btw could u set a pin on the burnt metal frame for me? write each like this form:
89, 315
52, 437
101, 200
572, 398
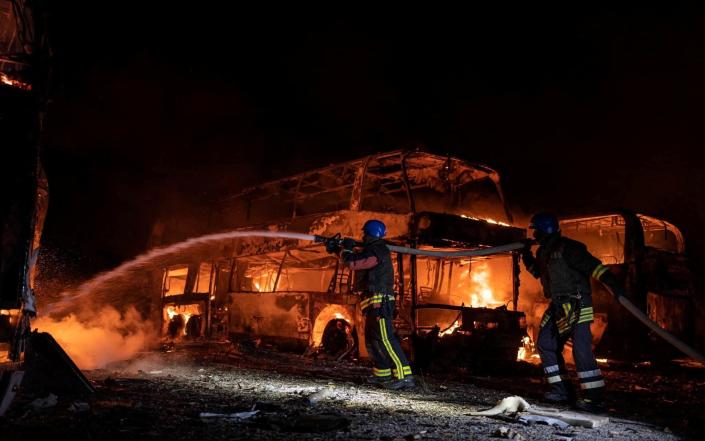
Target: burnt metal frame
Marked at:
415, 306
399, 181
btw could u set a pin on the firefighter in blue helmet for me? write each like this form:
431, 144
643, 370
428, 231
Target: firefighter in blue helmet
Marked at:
565, 267
374, 280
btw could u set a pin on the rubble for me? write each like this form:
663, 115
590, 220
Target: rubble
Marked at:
231, 387
532, 419
506, 432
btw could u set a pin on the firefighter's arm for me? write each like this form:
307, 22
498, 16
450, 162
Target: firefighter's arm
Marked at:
530, 261
362, 260
579, 257
605, 276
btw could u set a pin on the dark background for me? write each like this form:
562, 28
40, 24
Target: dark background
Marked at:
158, 107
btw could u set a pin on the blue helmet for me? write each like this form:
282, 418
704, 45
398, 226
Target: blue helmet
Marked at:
545, 223
374, 228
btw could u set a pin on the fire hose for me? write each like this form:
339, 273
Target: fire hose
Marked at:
626, 303
148, 257
670, 338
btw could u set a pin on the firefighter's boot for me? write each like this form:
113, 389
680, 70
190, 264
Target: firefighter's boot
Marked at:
591, 406
561, 392
379, 381
404, 383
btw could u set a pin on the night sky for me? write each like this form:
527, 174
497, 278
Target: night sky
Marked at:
155, 109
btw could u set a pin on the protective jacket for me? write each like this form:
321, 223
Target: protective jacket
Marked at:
375, 279
564, 267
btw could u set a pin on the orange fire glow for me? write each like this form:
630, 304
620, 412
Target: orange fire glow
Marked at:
105, 336
486, 219
329, 313
451, 329
477, 282
4, 79
264, 281
186, 311
527, 351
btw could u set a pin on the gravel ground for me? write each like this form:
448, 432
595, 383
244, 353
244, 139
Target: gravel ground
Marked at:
162, 395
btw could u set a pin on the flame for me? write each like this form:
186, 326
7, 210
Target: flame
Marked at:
451, 328
186, 312
328, 313
486, 219
527, 351
264, 280
481, 293
4, 79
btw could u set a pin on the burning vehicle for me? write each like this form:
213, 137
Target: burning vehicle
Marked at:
466, 311
295, 295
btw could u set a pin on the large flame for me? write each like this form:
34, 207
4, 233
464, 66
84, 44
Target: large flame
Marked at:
477, 283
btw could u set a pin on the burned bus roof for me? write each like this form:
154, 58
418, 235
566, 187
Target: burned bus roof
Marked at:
412, 158
399, 182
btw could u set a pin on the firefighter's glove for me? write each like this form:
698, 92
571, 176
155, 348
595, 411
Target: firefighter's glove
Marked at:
348, 244
526, 255
333, 245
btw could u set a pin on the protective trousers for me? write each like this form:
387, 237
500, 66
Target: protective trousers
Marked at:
382, 345
550, 344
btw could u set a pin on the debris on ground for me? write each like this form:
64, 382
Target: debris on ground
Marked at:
516, 404
322, 394
410, 437
506, 432
533, 419
507, 405
234, 417
281, 387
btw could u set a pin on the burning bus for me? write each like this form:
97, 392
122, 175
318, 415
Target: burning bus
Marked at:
295, 295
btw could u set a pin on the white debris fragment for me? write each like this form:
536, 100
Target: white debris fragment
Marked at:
507, 405
517, 404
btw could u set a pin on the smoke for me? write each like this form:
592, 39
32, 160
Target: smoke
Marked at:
100, 337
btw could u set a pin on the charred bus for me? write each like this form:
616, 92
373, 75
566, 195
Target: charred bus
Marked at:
292, 294
295, 295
